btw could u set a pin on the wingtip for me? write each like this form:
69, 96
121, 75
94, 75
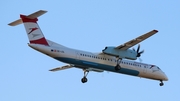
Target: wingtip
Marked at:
155, 30
43, 10
51, 70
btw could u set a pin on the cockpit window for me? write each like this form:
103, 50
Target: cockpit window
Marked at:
158, 68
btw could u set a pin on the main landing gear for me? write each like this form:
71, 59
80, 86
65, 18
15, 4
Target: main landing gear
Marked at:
161, 83
84, 79
118, 67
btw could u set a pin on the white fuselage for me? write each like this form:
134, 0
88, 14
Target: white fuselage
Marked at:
99, 62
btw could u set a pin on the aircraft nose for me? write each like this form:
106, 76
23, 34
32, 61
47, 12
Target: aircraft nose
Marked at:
165, 77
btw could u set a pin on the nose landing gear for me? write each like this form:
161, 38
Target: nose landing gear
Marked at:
161, 83
84, 79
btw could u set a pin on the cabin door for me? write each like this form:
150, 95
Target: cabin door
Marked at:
77, 55
145, 69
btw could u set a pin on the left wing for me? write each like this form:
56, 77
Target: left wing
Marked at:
135, 41
61, 68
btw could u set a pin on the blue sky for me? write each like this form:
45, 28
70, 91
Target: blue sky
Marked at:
89, 25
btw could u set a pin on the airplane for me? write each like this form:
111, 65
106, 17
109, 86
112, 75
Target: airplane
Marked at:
118, 59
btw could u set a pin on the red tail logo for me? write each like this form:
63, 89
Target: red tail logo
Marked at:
32, 29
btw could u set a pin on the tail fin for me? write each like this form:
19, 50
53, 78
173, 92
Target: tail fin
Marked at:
34, 32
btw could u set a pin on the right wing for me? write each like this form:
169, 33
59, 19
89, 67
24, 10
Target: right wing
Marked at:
61, 68
71, 66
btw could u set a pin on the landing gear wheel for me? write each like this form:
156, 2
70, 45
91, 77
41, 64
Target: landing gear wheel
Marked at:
117, 67
161, 84
84, 80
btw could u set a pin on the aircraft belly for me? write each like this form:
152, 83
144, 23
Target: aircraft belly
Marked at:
107, 67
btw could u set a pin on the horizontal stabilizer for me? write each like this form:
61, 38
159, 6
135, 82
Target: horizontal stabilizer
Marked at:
31, 16
17, 22
61, 68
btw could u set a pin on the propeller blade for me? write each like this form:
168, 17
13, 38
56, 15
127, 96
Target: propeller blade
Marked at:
141, 52
138, 48
137, 51
140, 59
133, 49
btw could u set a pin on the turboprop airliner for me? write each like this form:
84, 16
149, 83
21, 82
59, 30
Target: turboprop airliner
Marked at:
118, 59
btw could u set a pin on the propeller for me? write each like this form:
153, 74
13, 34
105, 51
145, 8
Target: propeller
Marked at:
138, 53
140, 60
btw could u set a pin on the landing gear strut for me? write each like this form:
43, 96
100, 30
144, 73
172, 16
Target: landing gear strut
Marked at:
161, 83
118, 67
84, 79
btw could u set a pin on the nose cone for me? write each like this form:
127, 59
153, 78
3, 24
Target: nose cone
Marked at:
165, 77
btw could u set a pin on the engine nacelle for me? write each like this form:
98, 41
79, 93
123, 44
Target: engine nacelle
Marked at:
128, 54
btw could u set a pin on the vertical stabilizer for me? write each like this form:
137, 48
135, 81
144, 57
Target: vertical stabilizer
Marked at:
32, 28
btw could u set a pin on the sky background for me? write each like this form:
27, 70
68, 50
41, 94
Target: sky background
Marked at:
89, 25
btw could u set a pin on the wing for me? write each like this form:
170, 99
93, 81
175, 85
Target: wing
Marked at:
61, 68
135, 41
71, 66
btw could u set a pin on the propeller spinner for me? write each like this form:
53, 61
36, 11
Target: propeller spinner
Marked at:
138, 53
